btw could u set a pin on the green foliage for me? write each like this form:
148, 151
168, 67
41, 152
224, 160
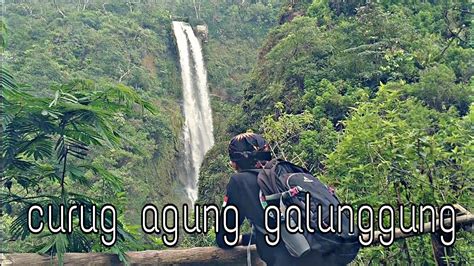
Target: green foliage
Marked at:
328, 101
376, 100
119, 46
45, 143
437, 88
377, 44
81, 119
214, 175
94, 43
236, 32
398, 151
283, 132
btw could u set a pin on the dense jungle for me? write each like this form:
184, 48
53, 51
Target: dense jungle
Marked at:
374, 98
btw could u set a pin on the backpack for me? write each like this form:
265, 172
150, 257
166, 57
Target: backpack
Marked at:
281, 184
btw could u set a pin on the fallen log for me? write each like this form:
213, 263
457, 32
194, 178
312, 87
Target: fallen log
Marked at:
191, 256
460, 220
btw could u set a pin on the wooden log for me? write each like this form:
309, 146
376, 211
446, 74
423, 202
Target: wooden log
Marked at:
69, 259
198, 255
460, 220
192, 256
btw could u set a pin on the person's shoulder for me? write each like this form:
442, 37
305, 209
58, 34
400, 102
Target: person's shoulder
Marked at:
245, 173
243, 177
236, 178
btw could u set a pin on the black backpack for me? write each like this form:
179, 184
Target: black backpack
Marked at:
282, 183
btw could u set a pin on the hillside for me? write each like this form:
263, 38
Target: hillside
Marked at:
109, 44
375, 99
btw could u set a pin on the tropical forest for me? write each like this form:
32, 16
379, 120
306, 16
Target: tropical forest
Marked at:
132, 103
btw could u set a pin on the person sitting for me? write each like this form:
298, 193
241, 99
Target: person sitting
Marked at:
248, 152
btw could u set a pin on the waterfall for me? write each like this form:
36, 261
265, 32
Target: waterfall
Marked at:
198, 128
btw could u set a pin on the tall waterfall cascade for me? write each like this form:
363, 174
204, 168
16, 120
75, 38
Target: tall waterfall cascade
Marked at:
198, 128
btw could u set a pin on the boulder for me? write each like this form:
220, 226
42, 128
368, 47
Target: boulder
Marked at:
202, 32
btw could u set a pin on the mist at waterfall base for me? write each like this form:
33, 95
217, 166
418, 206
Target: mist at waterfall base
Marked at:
198, 129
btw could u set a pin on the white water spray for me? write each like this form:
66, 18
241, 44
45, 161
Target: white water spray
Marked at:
198, 128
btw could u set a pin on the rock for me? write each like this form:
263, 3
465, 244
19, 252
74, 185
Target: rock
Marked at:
202, 32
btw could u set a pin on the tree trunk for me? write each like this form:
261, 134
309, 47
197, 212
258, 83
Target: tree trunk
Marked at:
440, 252
196, 256
192, 256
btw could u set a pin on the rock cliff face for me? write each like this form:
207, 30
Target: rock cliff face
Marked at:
202, 32
292, 10
289, 15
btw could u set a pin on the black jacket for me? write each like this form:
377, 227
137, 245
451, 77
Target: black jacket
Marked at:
243, 192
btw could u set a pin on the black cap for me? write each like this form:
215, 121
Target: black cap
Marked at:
247, 146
